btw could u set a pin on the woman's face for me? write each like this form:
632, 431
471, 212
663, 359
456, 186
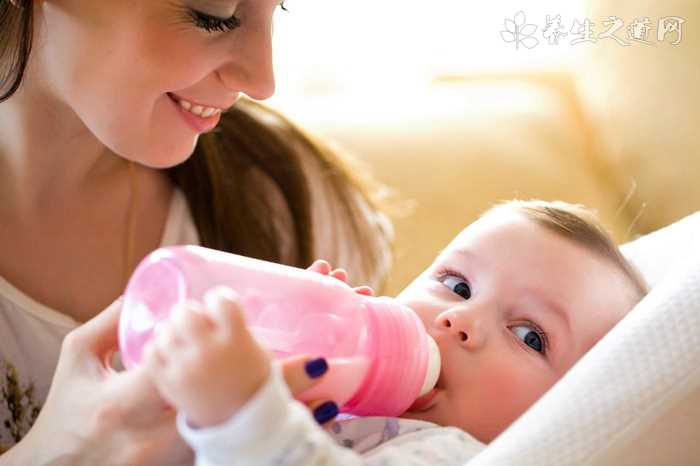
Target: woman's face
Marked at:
116, 63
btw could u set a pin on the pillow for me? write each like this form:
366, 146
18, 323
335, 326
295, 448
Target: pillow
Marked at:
634, 398
644, 104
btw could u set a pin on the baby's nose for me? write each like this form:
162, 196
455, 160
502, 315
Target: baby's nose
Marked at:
460, 333
462, 326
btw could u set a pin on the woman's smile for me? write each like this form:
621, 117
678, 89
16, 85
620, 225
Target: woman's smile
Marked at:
201, 119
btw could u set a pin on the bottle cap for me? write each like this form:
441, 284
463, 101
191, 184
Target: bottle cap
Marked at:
433, 372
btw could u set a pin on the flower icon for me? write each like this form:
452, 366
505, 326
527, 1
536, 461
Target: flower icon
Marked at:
519, 32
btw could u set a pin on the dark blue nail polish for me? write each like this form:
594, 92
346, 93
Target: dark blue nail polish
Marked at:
326, 412
316, 367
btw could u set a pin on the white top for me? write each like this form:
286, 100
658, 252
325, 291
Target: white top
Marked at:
31, 334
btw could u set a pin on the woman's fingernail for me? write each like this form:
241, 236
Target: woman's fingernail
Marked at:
316, 367
326, 412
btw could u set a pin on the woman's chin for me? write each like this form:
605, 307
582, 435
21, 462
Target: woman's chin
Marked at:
171, 155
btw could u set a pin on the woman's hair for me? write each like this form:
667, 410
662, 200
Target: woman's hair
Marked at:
580, 225
16, 31
228, 179
230, 204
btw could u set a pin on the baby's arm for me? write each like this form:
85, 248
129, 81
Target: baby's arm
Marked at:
232, 407
271, 429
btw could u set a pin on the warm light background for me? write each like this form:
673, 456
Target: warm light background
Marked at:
453, 118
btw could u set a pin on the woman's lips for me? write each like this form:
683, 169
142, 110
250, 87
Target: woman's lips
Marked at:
197, 123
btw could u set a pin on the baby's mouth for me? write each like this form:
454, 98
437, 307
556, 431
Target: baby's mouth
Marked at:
427, 401
440, 384
424, 402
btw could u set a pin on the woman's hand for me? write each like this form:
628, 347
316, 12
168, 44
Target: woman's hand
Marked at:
94, 415
302, 372
324, 410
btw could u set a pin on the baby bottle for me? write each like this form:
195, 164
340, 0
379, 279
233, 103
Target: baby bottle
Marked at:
379, 354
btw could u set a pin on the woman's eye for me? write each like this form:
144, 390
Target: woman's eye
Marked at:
213, 23
531, 337
458, 285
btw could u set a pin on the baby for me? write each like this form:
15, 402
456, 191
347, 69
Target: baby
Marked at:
512, 302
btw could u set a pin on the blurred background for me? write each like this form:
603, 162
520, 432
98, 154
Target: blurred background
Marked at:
456, 105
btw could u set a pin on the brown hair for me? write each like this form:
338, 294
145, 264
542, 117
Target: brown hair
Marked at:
219, 181
234, 212
16, 31
581, 225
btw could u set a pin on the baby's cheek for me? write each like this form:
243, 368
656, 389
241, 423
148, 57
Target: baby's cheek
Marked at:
499, 394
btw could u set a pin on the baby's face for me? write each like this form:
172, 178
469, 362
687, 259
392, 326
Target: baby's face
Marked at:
512, 306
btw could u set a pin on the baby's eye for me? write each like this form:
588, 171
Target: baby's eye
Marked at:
531, 337
457, 284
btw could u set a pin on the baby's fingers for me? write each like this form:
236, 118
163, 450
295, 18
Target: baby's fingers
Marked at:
223, 307
324, 268
364, 290
190, 321
340, 274
320, 266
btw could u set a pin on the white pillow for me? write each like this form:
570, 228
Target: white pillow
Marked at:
634, 398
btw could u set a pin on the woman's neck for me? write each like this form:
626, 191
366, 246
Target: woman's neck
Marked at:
47, 155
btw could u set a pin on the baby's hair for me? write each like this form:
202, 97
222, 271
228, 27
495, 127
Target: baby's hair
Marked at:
581, 225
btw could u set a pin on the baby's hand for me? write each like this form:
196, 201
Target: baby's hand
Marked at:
324, 268
204, 360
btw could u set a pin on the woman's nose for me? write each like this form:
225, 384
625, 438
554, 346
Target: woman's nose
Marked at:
250, 69
463, 326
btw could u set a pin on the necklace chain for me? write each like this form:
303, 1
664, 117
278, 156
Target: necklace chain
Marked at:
129, 240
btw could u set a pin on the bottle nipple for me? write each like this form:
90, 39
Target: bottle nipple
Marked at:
433, 372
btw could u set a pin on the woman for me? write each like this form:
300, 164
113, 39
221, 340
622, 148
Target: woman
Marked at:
103, 107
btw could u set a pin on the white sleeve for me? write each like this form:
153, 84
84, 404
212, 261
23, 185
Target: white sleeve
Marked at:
271, 429
274, 429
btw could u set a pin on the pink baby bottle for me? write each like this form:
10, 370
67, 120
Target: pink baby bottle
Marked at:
380, 357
